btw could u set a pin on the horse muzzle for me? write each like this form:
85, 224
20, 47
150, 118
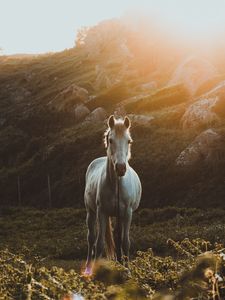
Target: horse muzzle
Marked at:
120, 169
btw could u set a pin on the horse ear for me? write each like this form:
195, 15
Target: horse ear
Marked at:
127, 122
111, 121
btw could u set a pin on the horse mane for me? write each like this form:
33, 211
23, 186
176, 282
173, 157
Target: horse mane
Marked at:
106, 137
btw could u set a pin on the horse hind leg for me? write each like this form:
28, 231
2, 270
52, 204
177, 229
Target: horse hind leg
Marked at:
102, 219
110, 244
90, 220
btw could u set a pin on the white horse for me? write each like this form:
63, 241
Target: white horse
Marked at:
112, 188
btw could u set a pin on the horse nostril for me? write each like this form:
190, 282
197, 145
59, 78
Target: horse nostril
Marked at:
121, 169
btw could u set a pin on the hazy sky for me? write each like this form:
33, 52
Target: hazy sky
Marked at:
37, 26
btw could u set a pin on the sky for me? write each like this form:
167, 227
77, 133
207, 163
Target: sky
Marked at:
39, 26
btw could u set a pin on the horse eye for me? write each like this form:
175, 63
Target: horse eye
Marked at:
110, 141
129, 141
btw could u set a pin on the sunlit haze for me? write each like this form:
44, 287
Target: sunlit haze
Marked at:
31, 26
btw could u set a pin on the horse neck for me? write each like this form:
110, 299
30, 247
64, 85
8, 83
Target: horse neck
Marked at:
110, 173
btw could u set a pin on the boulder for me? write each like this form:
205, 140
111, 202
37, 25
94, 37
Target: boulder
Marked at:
200, 149
77, 92
140, 119
97, 115
199, 113
69, 97
207, 109
192, 73
81, 111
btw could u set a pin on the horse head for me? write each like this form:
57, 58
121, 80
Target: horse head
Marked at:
118, 142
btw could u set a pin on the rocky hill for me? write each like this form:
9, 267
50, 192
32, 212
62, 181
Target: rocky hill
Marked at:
53, 110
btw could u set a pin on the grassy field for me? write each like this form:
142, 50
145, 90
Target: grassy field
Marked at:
44, 251
60, 234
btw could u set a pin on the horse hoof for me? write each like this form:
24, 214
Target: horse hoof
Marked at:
87, 271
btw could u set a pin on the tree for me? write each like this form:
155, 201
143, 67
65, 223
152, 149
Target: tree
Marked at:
81, 36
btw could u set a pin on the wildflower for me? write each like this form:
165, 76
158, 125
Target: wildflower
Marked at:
222, 255
208, 273
218, 277
77, 297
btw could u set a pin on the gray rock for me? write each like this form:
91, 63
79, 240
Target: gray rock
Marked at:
69, 97
81, 111
141, 119
76, 91
199, 149
97, 115
202, 111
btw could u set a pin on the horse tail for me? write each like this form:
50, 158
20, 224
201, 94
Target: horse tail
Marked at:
110, 244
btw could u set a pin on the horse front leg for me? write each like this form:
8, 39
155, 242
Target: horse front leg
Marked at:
90, 220
117, 234
126, 234
101, 219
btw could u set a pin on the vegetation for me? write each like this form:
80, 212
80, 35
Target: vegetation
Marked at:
42, 255
59, 235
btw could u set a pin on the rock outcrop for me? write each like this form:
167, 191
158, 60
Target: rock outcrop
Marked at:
199, 113
76, 91
140, 119
97, 115
69, 97
200, 149
81, 111
207, 109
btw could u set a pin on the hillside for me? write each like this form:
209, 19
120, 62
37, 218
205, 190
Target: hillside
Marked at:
53, 109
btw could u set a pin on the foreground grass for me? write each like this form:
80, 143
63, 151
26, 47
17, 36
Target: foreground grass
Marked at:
193, 274
41, 254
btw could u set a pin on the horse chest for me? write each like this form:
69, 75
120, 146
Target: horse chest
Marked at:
109, 203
